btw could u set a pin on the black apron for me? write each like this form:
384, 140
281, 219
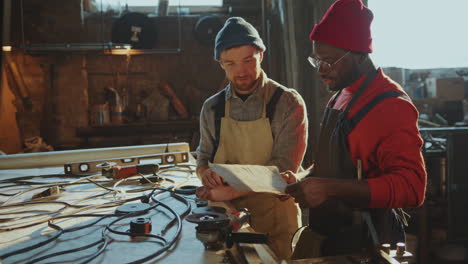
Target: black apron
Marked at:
349, 230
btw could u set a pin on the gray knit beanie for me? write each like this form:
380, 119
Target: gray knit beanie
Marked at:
236, 32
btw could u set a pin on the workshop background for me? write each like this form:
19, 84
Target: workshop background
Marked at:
78, 74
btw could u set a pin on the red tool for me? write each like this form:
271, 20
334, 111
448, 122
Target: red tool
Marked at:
175, 101
239, 218
118, 172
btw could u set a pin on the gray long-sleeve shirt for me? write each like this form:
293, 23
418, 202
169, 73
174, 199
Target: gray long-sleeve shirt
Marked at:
289, 123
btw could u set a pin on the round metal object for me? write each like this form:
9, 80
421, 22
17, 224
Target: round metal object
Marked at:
201, 203
400, 250
136, 29
186, 189
132, 208
386, 248
207, 28
207, 218
84, 167
209, 209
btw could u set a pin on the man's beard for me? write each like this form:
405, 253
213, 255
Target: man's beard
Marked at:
348, 80
245, 87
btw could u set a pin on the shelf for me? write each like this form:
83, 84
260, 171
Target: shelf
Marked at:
174, 126
105, 48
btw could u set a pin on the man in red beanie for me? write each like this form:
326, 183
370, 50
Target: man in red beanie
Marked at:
369, 160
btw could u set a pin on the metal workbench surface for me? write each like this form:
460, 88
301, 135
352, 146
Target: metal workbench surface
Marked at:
89, 197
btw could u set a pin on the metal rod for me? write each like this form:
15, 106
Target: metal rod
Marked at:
179, 21
22, 23
59, 158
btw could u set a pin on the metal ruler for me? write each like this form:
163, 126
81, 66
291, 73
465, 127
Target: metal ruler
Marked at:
93, 166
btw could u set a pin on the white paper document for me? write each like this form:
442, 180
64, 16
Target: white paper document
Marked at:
247, 178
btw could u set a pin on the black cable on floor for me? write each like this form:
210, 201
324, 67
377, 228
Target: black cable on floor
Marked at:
108, 227
103, 241
36, 260
101, 248
72, 230
40, 244
168, 245
61, 231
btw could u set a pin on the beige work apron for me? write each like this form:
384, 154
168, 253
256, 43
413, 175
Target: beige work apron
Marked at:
251, 142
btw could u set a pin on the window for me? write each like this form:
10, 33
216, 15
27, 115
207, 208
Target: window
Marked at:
173, 2
420, 34
151, 6
196, 2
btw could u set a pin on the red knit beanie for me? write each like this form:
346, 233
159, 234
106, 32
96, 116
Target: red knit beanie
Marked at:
346, 25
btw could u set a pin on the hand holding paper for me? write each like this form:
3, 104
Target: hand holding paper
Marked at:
246, 178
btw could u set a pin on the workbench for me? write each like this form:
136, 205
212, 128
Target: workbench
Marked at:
84, 214
52, 213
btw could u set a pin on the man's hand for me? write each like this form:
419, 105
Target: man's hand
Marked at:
203, 193
211, 179
310, 192
289, 177
220, 193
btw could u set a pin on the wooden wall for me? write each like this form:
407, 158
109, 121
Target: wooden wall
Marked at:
65, 85
68, 84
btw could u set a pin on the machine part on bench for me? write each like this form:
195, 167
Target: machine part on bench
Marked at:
140, 225
209, 209
186, 189
132, 208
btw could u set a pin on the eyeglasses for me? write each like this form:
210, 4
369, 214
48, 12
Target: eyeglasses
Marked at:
323, 65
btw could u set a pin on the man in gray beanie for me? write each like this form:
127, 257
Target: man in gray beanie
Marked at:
237, 32
256, 121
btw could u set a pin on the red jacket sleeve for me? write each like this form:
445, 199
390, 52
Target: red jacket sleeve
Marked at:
394, 166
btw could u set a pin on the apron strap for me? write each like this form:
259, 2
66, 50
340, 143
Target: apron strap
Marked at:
271, 106
328, 109
265, 96
219, 114
354, 120
369, 78
371, 228
227, 109
339, 131
222, 109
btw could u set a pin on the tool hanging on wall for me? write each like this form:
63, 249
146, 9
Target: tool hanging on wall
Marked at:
135, 29
206, 29
175, 101
17, 84
112, 96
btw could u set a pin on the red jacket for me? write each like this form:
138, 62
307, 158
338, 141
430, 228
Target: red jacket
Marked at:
388, 142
